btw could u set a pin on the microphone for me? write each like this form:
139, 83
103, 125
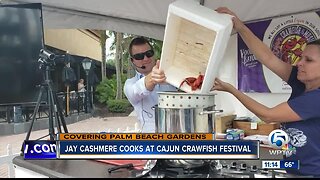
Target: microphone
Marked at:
141, 67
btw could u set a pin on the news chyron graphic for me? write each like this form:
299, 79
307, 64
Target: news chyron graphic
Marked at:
139, 146
40, 149
152, 146
279, 140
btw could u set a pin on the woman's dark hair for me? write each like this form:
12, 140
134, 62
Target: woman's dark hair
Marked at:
138, 41
315, 42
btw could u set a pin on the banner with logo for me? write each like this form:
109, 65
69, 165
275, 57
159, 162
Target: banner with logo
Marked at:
287, 38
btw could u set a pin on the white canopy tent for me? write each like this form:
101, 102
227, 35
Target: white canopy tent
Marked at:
148, 17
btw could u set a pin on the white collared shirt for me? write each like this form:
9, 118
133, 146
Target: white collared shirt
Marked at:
144, 100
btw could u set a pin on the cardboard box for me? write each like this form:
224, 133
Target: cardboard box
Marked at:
223, 122
261, 128
194, 43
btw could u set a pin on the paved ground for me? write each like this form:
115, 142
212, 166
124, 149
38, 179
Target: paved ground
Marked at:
105, 124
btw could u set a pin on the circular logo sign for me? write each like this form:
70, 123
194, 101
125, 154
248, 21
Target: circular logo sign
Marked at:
278, 138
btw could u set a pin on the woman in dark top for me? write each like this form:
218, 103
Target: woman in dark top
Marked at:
300, 115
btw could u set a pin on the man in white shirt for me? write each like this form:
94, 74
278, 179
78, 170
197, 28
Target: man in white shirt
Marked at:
141, 90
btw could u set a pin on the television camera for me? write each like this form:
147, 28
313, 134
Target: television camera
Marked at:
46, 58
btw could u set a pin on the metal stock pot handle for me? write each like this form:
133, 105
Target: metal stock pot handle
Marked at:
210, 112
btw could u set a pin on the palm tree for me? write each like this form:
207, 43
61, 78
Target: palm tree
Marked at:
118, 57
103, 38
127, 64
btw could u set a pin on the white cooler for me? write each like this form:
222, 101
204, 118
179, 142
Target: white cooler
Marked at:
194, 43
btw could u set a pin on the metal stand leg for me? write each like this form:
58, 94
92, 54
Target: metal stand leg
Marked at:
54, 111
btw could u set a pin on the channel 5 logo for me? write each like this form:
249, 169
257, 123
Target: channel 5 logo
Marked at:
278, 139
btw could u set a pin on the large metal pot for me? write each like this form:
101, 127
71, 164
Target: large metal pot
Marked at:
179, 112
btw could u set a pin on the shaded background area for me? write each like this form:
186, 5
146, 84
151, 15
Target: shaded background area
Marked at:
21, 38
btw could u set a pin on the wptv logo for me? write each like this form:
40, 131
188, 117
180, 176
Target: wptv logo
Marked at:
279, 140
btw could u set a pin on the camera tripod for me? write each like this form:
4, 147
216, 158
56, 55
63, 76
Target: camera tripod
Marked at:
55, 111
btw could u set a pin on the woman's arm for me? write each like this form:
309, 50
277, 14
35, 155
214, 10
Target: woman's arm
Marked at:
261, 51
279, 113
